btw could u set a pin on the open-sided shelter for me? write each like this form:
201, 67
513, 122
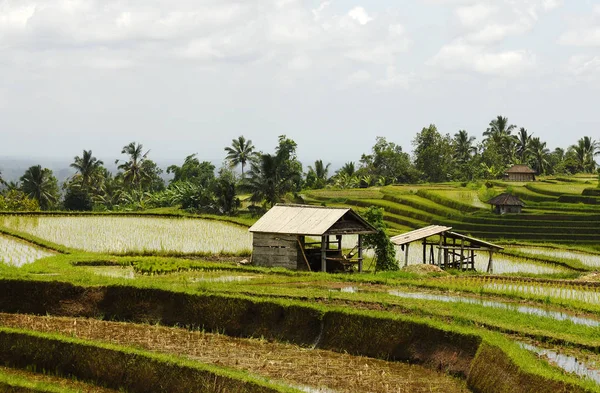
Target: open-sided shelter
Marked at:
307, 237
454, 250
506, 203
519, 172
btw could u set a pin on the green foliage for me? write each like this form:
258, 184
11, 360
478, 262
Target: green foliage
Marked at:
16, 200
433, 155
317, 176
193, 171
240, 152
273, 175
385, 253
388, 162
41, 185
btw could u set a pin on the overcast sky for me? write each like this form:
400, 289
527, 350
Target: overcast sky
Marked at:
187, 76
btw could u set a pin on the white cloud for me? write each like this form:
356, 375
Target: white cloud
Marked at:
581, 37
360, 15
475, 14
584, 65
461, 55
357, 78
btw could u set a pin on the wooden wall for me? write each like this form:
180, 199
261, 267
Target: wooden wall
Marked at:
275, 250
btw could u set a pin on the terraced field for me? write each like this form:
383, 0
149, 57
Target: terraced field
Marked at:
137, 304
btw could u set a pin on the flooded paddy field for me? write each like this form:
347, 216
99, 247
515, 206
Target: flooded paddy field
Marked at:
16, 252
120, 235
313, 370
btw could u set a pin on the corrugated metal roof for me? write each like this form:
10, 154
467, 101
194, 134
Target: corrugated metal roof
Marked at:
473, 240
303, 220
419, 234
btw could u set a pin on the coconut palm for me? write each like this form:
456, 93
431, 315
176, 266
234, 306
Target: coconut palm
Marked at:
585, 150
522, 139
318, 175
240, 152
87, 166
133, 169
463, 146
540, 155
39, 183
499, 130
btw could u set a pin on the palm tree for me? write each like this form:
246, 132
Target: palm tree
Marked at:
349, 169
499, 134
88, 166
585, 150
40, 184
523, 139
318, 174
540, 155
240, 152
133, 170
1, 179
463, 146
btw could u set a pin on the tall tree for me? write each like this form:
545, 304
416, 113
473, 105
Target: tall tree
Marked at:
499, 145
87, 166
133, 173
271, 176
585, 151
463, 146
318, 175
1, 179
194, 171
40, 184
540, 155
387, 161
433, 154
240, 152
523, 140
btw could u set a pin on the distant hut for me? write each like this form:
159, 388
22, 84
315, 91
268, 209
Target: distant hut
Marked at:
506, 203
520, 172
308, 237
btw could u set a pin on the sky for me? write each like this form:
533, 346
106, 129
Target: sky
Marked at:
188, 76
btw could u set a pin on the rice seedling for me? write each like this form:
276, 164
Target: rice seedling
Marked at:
17, 253
592, 260
123, 235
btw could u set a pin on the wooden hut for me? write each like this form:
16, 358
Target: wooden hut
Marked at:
454, 250
506, 203
308, 238
519, 172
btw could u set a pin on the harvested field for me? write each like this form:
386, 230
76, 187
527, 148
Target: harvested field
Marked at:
50, 382
296, 366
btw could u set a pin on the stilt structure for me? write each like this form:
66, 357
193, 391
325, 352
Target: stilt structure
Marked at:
458, 255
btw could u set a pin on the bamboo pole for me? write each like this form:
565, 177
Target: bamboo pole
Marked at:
303, 254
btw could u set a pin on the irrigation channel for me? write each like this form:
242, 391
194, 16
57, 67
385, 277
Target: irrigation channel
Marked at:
310, 370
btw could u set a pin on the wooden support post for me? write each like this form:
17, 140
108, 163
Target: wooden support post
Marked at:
445, 251
472, 259
340, 243
406, 254
490, 268
303, 254
462, 253
440, 251
424, 250
324, 240
360, 254
454, 253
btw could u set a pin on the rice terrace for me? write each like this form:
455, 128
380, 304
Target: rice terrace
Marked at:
181, 302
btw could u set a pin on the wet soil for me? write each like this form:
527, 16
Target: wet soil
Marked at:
294, 365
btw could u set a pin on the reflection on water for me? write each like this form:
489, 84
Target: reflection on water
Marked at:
559, 316
586, 296
566, 362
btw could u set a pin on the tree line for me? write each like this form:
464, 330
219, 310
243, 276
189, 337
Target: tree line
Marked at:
267, 177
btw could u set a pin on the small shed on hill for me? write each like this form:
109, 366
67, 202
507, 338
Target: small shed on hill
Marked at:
308, 237
519, 172
506, 203
454, 250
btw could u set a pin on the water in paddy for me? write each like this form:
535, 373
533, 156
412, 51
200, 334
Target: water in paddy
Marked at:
587, 296
566, 362
119, 234
560, 316
17, 253
113, 271
223, 279
592, 260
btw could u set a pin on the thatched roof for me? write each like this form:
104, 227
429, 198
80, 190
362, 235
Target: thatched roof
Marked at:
311, 220
520, 168
506, 199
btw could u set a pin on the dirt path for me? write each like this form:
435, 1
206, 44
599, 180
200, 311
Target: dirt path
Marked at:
295, 365
57, 382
